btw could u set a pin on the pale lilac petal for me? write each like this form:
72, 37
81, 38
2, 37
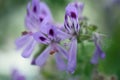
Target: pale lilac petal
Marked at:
63, 35
60, 62
29, 23
29, 49
95, 57
41, 59
41, 38
76, 26
17, 75
32, 23
42, 20
79, 6
72, 56
21, 77
62, 50
32, 20
51, 31
100, 52
71, 11
80, 9
20, 42
44, 28
97, 39
66, 24
44, 9
29, 20
102, 55
28, 9
97, 54
14, 74
36, 6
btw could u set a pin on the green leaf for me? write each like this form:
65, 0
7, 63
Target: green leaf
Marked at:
92, 27
84, 37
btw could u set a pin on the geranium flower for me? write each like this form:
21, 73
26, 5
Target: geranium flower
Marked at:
52, 38
98, 51
72, 27
37, 15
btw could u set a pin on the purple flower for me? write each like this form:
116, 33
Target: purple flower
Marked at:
17, 76
38, 14
72, 27
51, 38
98, 51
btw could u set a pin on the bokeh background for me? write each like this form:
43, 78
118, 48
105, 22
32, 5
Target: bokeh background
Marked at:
103, 13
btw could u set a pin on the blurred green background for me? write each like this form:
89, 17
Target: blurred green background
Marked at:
103, 13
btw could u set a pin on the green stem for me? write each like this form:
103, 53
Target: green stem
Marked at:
42, 47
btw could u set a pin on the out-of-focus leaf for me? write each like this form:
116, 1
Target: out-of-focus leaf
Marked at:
84, 37
92, 27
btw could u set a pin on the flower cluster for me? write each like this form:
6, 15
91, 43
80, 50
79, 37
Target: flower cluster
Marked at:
40, 29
